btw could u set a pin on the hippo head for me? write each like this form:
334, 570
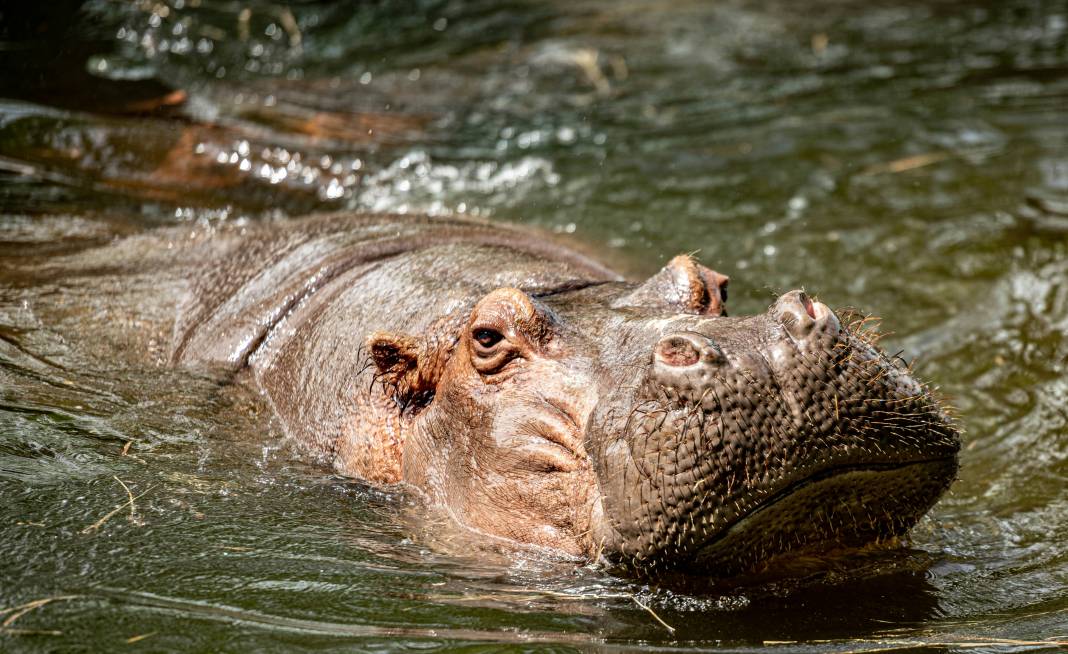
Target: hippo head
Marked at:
643, 426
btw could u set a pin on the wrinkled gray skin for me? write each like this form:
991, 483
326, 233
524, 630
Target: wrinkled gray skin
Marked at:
535, 396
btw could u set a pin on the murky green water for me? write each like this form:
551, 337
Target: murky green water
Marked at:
907, 158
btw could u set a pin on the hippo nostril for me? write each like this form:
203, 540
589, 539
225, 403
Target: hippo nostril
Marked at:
685, 350
805, 319
686, 361
677, 351
807, 303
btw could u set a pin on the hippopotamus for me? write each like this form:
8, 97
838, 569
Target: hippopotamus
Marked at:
538, 397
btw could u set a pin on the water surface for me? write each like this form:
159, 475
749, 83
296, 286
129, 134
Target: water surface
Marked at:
906, 158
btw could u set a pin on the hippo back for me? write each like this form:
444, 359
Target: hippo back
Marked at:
237, 302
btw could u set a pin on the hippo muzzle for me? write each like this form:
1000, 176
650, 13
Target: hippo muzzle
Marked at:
744, 438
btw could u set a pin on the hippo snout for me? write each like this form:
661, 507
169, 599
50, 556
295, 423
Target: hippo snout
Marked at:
756, 436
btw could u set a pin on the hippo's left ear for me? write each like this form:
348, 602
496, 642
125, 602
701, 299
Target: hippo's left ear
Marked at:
403, 366
682, 285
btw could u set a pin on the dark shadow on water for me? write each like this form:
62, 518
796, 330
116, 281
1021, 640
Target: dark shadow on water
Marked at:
806, 610
49, 47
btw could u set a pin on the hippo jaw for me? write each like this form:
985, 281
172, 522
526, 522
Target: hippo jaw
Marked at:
841, 507
751, 438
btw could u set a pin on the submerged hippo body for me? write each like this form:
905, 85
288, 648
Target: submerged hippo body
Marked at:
538, 397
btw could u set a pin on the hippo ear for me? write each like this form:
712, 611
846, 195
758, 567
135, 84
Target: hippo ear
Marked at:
402, 366
682, 285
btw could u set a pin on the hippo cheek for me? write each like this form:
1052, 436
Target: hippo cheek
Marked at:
534, 492
507, 458
549, 510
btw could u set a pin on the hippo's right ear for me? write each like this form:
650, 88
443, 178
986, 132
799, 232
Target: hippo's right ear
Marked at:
403, 367
682, 285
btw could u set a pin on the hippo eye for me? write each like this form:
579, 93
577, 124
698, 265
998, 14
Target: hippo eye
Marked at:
491, 352
487, 338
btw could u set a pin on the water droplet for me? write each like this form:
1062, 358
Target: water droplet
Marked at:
528, 139
334, 190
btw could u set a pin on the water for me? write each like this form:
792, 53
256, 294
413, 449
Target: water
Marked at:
906, 158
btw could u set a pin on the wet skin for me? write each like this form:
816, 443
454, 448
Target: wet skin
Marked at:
535, 396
